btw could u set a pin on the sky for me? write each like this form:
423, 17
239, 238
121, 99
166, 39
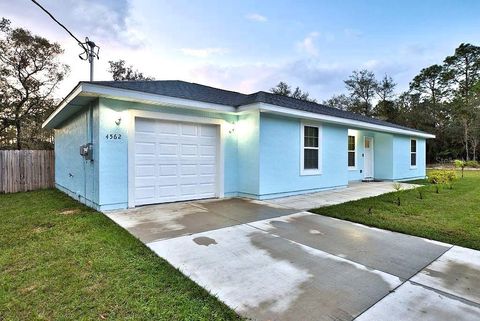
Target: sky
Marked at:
248, 46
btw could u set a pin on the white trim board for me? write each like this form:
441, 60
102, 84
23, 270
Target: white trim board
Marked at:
268, 108
318, 171
222, 132
97, 90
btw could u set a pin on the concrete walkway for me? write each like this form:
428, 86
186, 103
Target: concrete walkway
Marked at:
269, 262
354, 191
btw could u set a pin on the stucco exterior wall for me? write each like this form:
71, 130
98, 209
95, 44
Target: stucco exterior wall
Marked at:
280, 158
248, 140
401, 158
73, 174
261, 154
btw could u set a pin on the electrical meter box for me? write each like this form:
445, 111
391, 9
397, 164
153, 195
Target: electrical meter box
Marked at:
86, 151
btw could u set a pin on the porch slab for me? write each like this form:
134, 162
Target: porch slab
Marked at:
354, 191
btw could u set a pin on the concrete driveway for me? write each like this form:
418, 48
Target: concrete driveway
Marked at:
274, 263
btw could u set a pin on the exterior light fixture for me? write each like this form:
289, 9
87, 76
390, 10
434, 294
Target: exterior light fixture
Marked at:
118, 121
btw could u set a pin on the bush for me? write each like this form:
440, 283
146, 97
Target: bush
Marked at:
472, 163
459, 163
442, 177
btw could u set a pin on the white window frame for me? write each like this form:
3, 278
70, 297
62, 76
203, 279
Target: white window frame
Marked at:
416, 153
304, 171
352, 168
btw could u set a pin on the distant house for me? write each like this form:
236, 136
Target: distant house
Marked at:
146, 142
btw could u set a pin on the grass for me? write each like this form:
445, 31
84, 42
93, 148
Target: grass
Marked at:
452, 215
60, 260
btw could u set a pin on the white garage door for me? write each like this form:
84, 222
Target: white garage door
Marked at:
174, 161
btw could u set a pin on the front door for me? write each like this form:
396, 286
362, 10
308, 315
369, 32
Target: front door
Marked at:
368, 158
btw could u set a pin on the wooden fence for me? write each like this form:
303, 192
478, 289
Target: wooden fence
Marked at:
26, 170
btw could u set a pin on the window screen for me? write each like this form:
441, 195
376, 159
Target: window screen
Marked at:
310, 147
413, 152
351, 151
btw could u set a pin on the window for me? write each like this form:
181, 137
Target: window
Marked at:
310, 152
413, 152
351, 151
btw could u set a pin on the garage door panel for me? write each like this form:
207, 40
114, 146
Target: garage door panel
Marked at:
189, 150
189, 169
206, 169
168, 170
147, 170
145, 148
166, 149
174, 161
208, 131
143, 125
145, 194
166, 128
189, 130
167, 191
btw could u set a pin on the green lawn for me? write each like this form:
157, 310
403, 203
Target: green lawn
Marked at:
451, 216
60, 260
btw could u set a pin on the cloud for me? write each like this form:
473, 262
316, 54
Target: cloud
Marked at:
203, 52
256, 17
308, 44
105, 22
320, 80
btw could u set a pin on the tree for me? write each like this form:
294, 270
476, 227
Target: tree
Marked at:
462, 71
342, 102
430, 83
302, 95
121, 72
283, 89
362, 86
385, 108
385, 89
30, 72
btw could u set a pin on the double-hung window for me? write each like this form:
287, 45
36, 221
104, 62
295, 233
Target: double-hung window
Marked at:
413, 152
351, 151
310, 153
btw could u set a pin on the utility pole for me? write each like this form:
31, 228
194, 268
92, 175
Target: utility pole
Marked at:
90, 53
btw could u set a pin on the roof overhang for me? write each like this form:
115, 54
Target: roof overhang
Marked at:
354, 124
86, 92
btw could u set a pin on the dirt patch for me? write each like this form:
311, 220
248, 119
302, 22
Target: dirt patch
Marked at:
43, 227
70, 211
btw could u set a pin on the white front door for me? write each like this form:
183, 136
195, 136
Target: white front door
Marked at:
368, 158
174, 161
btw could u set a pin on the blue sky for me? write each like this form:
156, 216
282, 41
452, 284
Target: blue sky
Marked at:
251, 45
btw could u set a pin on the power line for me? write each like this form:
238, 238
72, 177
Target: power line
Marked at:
60, 24
90, 49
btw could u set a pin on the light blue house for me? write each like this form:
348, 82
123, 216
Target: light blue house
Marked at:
125, 144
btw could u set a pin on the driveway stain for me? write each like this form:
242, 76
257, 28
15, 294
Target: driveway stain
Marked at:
205, 241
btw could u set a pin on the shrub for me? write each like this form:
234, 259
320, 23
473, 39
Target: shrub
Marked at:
459, 163
472, 163
397, 187
442, 177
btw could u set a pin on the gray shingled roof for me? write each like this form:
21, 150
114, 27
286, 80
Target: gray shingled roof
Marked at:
192, 91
